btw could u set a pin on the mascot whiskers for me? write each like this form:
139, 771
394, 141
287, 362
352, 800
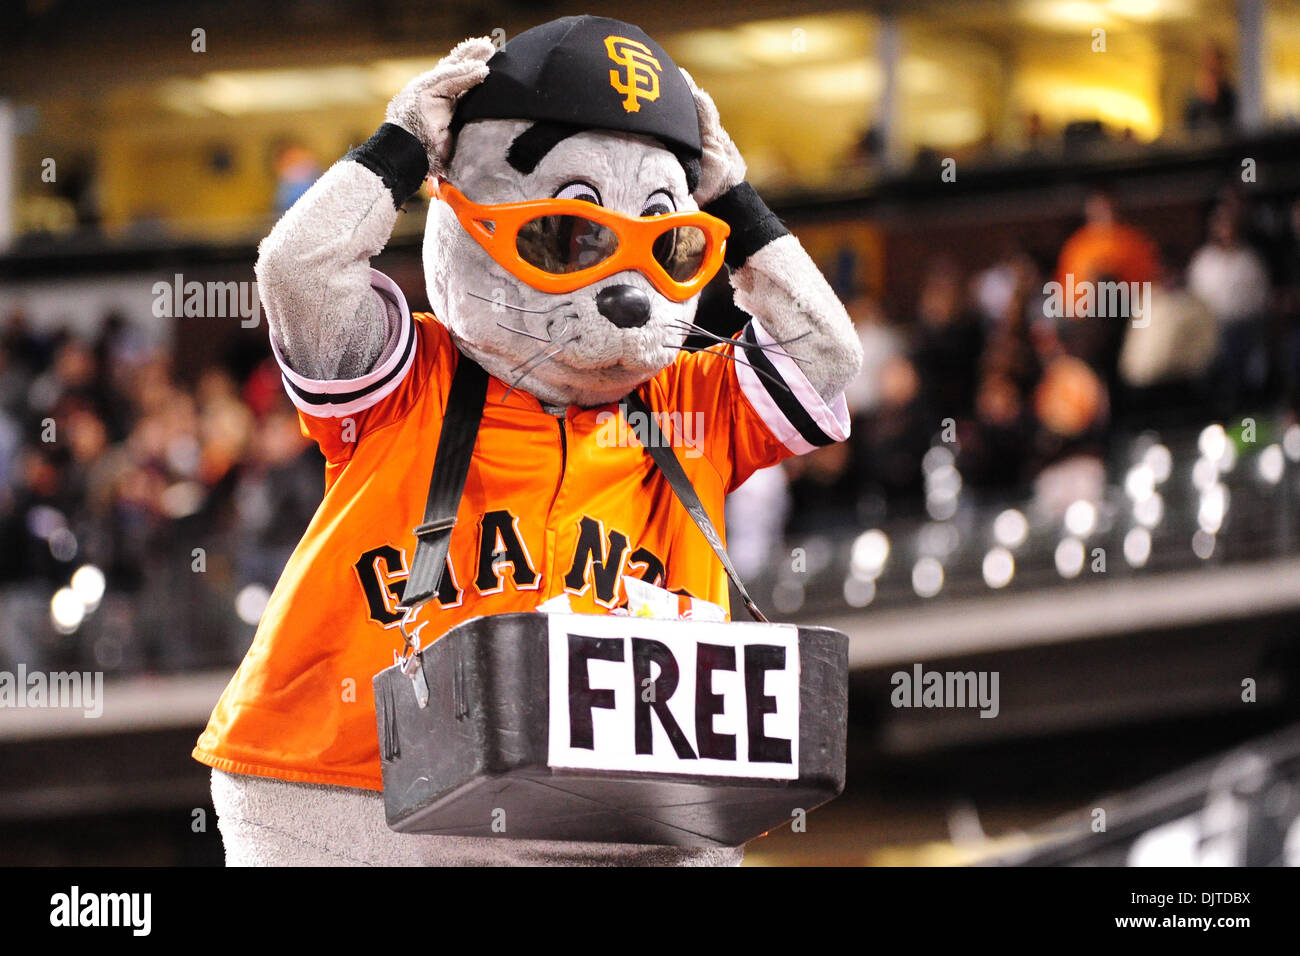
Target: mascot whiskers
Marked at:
584, 193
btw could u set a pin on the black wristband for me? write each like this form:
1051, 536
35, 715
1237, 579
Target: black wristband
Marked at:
396, 157
752, 224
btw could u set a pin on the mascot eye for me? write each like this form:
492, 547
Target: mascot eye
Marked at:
579, 190
660, 203
681, 251
560, 244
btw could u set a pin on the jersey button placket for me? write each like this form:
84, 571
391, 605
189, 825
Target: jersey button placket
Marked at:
554, 580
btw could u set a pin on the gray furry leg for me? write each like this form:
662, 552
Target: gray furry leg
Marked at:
266, 822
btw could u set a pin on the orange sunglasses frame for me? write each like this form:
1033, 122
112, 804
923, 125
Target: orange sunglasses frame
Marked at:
635, 250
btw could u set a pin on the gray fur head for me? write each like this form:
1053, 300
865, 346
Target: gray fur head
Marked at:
594, 361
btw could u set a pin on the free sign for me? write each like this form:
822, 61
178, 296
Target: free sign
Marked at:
717, 699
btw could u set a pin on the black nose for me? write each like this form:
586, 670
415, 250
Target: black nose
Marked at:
624, 305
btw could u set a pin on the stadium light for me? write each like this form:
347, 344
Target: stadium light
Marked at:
859, 592
1137, 547
63, 544
251, 601
927, 577
1011, 528
1271, 464
1149, 510
1291, 442
1140, 482
788, 596
88, 583
1069, 557
66, 611
1212, 442
1081, 518
1213, 508
869, 553
999, 568
937, 538
1204, 473
1203, 544
1161, 462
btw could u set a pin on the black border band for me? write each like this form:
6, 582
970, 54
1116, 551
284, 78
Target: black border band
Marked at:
395, 156
785, 400
752, 224
342, 398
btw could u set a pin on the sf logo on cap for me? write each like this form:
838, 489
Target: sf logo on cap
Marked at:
641, 77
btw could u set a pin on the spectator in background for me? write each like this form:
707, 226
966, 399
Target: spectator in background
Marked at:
1071, 411
868, 149
994, 449
991, 288
279, 488
1036, 142
756, 515
911, 391
1107, 247
1166, 358
78, 182
1212, 105
823, 489
295, 170
1103, 250
119, 348
144, 472
880, 345
225, 424
816, 493
1231, 279
946, 344
890, 441
24, 357
1288, 280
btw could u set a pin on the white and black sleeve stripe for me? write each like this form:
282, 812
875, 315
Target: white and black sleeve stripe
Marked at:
336, 398
791, 408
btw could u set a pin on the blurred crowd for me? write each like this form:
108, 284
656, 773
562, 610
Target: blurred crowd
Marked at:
189, 490
1028, 383
179, 492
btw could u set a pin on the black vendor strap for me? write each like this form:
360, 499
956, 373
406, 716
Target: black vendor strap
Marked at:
661, 451
450, 469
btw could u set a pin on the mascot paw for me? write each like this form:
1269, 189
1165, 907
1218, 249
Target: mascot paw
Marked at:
424, 106
721, 165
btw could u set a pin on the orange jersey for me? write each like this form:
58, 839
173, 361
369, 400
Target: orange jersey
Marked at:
552, 505
1116, 252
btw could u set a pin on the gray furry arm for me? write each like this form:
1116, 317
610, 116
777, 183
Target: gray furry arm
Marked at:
777, 282
313, 270
782, 287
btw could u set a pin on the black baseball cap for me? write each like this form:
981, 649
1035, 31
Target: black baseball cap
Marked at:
591, 73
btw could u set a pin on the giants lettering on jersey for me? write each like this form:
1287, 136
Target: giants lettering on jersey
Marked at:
600, 558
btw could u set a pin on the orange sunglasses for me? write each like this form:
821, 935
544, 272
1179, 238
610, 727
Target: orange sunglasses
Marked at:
560, 245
